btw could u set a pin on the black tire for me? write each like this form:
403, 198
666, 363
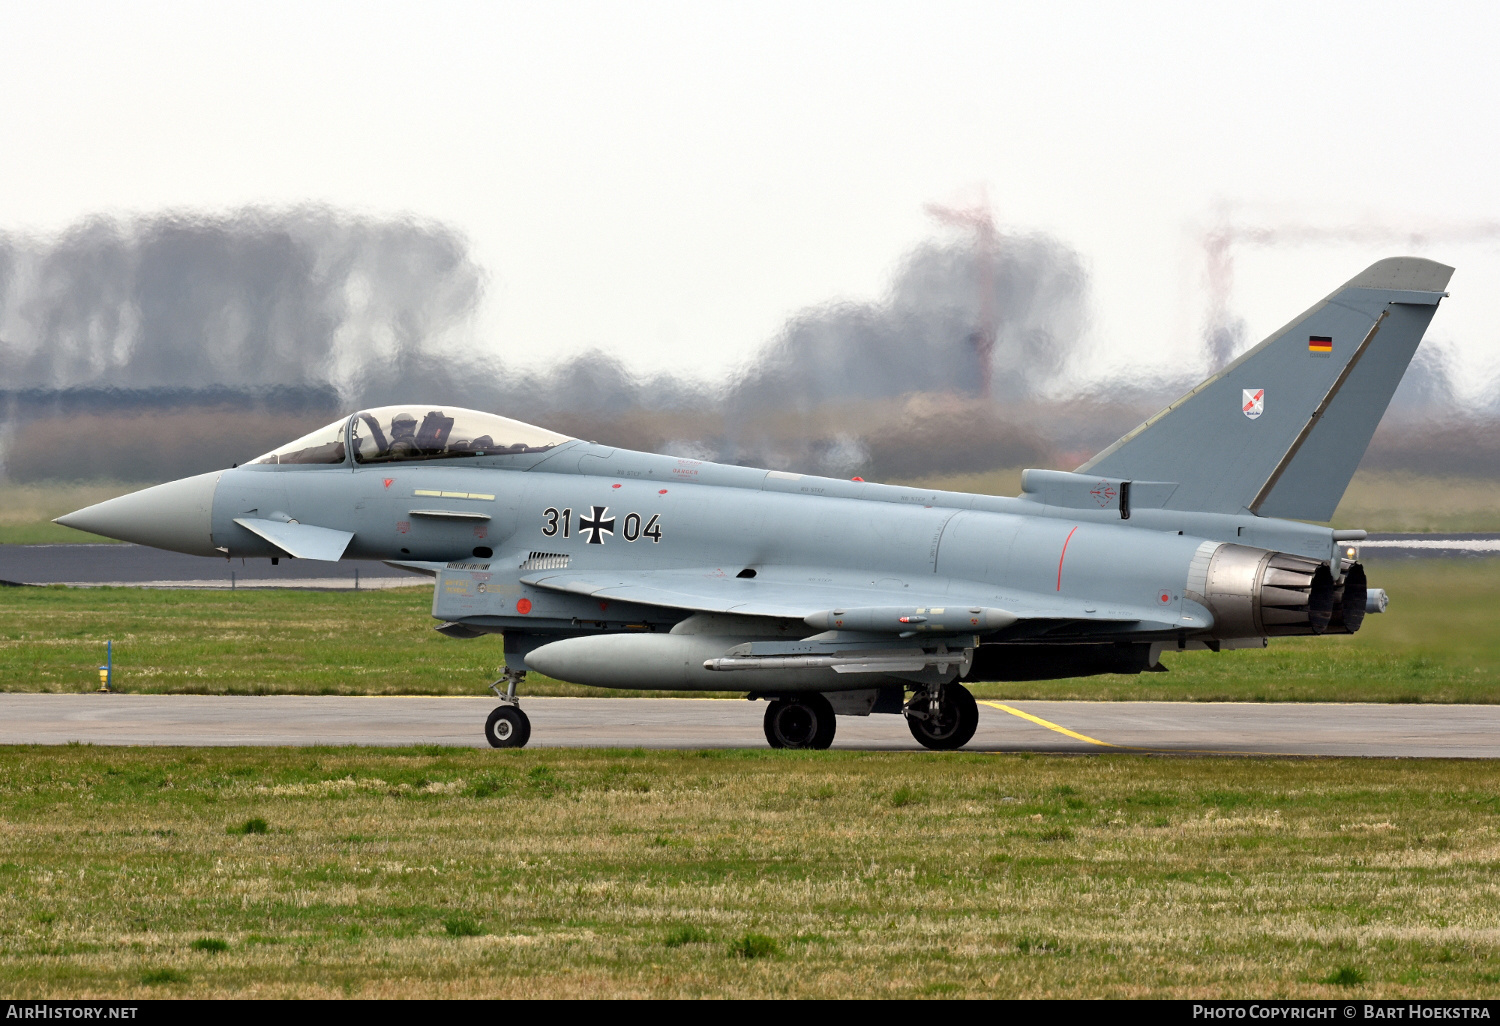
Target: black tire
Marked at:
958, 718
828, 724
507, 727
806, 721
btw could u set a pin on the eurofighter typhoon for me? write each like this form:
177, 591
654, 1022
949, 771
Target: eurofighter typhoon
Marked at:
824, 597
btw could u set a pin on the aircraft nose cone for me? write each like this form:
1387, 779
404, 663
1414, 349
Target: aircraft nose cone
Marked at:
177, 515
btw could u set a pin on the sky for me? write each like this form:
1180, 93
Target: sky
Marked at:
669, 182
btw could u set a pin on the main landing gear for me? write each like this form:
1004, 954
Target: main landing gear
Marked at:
508, 726
942, 718
800, 721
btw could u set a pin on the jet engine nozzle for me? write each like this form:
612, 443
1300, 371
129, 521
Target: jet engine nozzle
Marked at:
1352, 601
1258, 593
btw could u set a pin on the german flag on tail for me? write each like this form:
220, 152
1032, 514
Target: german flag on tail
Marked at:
1320, 345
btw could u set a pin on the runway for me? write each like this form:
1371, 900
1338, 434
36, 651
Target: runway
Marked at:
1429, 546
1402, 731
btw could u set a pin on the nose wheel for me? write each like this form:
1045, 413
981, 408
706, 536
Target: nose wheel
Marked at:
805, 721
943, 719
508, 726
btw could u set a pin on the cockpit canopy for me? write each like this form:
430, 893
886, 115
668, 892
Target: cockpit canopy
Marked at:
417, 433
399, 433
325, 445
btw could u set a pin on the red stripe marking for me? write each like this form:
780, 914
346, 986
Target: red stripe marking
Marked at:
1061, 557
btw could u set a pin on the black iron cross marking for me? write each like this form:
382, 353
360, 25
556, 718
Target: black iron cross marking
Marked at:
596, 525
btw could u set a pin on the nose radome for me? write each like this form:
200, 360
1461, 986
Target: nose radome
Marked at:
177, 515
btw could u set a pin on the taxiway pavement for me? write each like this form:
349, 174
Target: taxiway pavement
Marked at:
1407, 731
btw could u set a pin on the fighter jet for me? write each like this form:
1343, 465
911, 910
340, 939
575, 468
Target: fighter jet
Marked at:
827, 597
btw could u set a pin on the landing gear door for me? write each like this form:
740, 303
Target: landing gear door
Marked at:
472, 590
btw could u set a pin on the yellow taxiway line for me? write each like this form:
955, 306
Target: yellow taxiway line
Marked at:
1048, 724
1124, 748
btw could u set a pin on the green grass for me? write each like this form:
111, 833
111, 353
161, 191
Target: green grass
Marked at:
247, 642
1403, 501
686, 935
1440, 642
462, 926
388, 874
1346, 976
26, 510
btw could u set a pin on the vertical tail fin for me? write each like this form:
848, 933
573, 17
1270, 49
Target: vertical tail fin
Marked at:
1280, 431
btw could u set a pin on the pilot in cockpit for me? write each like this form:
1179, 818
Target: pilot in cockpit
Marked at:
403, 436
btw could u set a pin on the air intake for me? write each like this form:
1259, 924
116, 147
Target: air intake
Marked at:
546, 561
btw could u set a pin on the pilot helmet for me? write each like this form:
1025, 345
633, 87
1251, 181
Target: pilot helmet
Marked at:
403, 423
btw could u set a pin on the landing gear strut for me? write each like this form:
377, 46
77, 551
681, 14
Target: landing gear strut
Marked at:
944, 717
508, 726
800, 721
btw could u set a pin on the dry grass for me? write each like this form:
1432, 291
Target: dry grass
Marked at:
446, 873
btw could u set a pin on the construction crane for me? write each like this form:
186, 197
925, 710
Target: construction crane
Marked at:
1223, 239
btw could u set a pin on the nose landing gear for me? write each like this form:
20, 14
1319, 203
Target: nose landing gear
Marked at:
800, 721
942, 718
508, 726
